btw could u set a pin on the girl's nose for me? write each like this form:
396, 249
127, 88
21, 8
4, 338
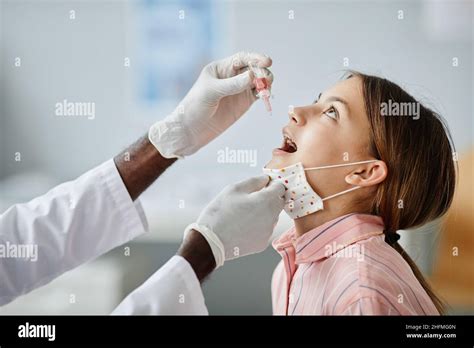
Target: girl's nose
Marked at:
296, 116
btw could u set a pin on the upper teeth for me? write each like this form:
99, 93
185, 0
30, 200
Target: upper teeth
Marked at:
289, 141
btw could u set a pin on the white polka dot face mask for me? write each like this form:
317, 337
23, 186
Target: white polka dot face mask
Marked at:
300, 198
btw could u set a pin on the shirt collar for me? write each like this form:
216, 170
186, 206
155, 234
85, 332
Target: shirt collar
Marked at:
329, 238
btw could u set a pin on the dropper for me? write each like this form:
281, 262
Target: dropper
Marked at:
261, 85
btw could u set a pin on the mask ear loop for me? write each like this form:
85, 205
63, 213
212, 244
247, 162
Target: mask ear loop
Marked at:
341, 193
340, 165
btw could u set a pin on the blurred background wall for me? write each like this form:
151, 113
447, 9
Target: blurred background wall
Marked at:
136, 59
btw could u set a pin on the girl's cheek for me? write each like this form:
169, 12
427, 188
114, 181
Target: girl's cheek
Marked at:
316, 137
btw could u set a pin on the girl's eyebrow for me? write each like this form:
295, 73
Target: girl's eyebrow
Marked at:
332, 98
337, 99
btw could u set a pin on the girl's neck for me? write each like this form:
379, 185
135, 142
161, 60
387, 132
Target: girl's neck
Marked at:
311, 221
308, 222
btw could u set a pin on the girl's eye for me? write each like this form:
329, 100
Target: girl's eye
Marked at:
332, 113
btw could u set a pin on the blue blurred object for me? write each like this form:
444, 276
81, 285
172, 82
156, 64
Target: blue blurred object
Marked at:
175, 41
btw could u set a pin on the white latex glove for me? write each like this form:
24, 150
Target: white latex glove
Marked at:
241, 219
221, 95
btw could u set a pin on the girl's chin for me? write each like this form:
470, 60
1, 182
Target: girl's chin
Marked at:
279, 161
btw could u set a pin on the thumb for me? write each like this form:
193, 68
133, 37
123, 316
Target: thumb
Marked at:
274, 195
274, 190
253, 184
236, 84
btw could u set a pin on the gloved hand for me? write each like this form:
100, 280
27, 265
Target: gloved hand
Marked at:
221, 95
241, 219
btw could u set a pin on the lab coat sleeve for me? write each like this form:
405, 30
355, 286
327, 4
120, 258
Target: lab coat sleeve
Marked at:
69, 225
172, 290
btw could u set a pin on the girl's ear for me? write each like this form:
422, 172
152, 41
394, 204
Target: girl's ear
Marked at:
368, 175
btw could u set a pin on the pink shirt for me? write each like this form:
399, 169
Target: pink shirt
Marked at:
345, 267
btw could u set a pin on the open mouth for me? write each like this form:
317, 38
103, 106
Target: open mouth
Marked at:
288, 144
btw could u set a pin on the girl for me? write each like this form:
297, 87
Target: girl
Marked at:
361, 162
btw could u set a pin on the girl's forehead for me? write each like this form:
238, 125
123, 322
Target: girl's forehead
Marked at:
350, 88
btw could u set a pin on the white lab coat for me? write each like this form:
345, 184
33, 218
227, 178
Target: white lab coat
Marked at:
77, 221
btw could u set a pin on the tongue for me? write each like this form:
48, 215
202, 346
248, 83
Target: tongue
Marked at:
287, 148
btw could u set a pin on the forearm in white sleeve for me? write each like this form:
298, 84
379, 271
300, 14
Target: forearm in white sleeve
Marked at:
172, 290
71, 224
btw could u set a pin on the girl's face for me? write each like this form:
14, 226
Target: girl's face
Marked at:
332, 130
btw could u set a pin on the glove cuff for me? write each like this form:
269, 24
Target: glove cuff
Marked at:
167, 138
215, 243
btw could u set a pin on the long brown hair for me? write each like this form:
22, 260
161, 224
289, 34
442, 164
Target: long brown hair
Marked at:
418, 151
